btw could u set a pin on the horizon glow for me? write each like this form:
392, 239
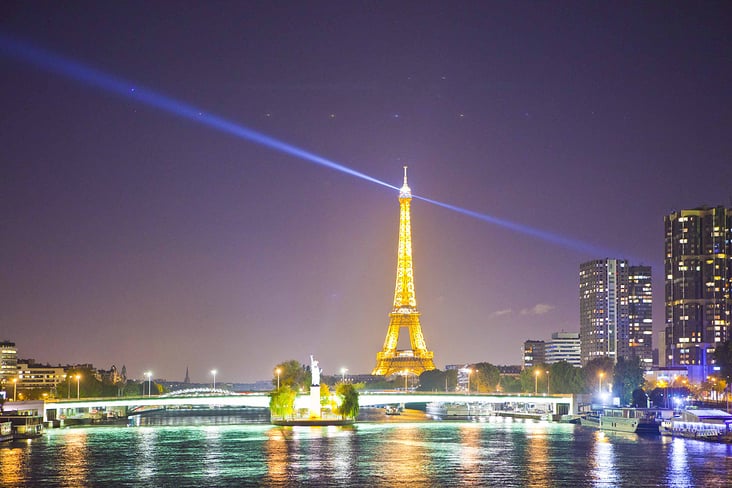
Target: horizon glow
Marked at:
57, 64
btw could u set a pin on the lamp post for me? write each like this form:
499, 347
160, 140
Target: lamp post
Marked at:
278, 371
536, 381
149, 382
599, 384
213, 372
547, 381
78, 383
343, 375
406, 373
470, 371
15, 387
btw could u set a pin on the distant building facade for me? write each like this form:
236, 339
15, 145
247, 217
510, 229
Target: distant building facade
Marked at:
32, 375
8, 361
563, 346
533, 353
698, 268
640, 315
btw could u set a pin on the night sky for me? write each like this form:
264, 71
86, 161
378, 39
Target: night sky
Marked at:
130, 235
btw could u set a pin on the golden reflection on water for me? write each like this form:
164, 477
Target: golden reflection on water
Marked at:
470, 454
12, 465
73, 465
403, 456
278, 453
537, 455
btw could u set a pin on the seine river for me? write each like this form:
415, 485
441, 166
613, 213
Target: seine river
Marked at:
498, 453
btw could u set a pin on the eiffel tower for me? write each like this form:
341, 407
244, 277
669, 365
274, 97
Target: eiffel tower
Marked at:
404, 314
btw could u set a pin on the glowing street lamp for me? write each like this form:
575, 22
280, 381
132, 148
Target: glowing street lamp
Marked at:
470, 371
343, 375
149, 382
15, 387
213, 372
599, 384
547, 381
278, 371
78, 382
536, 381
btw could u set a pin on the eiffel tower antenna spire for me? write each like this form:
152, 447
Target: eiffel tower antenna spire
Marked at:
404, 314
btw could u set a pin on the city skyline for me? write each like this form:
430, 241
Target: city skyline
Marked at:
132, 236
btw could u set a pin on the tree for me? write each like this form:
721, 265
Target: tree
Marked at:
348, 396
596, 371
282, 401
510, 384
723, 359
565, 378
485, 377
436, 380
292, 374
529, 381
627, 377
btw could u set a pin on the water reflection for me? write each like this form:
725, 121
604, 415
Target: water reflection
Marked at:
147, 443
403, 456
604, 472
12, 465
537, 453
74, 458
678, 464
212, 454
278, 454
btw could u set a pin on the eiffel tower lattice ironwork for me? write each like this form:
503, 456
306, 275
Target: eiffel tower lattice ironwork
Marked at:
404, 314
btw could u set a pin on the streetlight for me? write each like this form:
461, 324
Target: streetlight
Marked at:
278, 371
213, 372
536, 381
547, 381
343, 375
599, 384
78, 382
470, 371
15, 387
406, 373
149, 382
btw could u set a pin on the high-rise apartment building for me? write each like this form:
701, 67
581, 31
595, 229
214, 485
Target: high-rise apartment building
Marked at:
698, 266
640, 315
563, 346
603, 286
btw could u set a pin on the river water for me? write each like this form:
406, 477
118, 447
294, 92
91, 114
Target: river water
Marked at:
496, 453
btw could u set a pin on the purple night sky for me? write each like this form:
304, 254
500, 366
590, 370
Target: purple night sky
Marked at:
133, 236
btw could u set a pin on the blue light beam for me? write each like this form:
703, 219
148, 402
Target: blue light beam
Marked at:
79, 72
48, 61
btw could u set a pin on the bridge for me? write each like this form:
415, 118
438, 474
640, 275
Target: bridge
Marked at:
559, 404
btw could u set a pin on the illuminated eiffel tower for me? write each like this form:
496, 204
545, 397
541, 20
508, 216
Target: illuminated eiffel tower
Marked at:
404, 314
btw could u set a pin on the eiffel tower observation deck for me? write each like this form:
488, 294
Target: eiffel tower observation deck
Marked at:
404, 314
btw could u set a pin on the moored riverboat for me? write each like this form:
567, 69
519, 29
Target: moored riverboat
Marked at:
702, 424
631, 420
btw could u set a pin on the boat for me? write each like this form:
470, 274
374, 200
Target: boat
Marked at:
626, 419
6, 431
24, 426
393, 410
704, 424
457, 411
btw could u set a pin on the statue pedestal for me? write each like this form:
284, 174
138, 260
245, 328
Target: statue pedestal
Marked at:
314, 404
